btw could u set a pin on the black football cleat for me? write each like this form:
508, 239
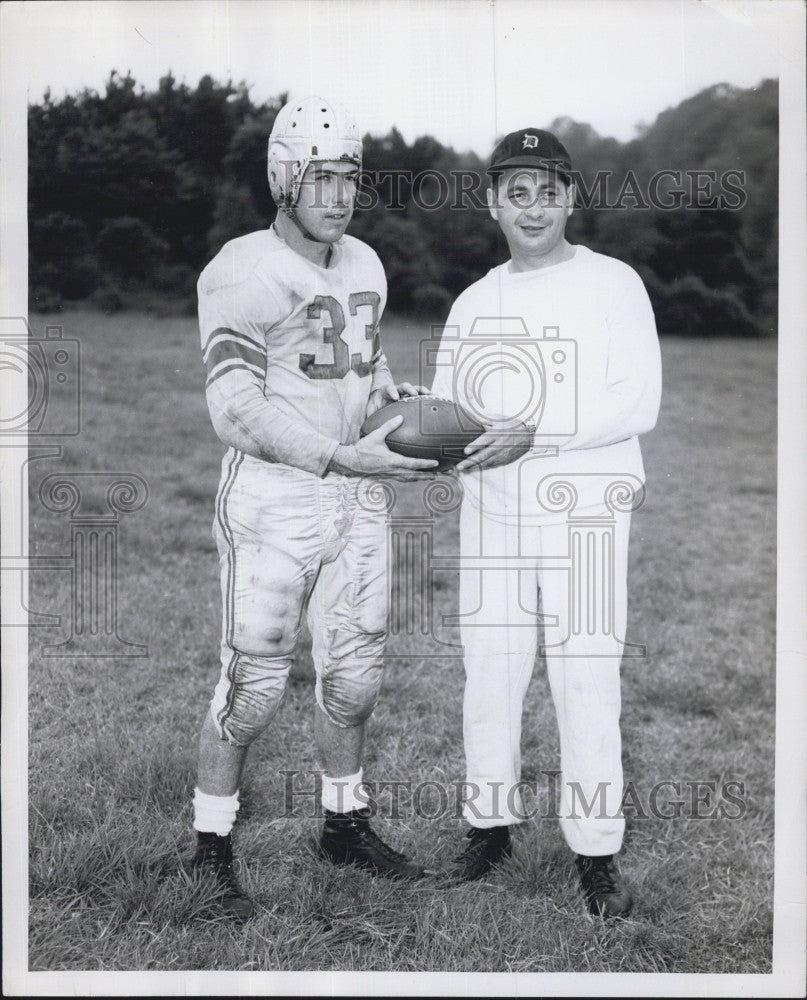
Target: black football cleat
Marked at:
214, 858
348, 839
488, 847
605, 893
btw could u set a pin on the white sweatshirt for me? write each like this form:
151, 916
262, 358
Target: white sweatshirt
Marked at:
571, 347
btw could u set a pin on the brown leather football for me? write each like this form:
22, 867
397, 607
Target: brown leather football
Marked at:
432, 427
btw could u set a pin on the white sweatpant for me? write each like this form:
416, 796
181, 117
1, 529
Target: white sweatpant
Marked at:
580, 567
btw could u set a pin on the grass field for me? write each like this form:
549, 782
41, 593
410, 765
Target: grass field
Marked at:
112, 741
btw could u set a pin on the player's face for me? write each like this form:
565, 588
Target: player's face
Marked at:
326, 199
532, 208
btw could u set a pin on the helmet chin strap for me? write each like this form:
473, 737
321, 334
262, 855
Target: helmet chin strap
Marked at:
292, 215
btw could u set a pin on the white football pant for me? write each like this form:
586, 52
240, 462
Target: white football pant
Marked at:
580, 567
292, 543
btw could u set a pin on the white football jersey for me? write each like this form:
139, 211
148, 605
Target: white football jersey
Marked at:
291, 349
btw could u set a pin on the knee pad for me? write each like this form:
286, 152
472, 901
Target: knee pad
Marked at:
347, 691
266, 631
250, 691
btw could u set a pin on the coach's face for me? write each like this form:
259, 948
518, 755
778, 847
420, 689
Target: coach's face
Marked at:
532, 207
326, 199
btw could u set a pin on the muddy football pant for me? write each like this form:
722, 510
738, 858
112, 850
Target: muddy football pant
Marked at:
292, 543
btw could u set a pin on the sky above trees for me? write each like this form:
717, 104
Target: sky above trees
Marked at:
463, 72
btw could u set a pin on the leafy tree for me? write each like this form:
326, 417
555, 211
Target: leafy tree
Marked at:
234, 215
130, 250
133, 190
62, 257
403, 250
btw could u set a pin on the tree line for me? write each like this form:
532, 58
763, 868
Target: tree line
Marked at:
132, 191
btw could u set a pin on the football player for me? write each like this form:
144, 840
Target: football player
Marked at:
289, 320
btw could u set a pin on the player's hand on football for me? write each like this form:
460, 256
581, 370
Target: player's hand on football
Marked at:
407, 389
372, 457
391, 393
502, 444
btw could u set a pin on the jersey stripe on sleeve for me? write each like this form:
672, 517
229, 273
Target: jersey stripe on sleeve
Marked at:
227, 349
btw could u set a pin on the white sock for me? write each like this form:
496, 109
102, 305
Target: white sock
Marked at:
214, 813
339, 794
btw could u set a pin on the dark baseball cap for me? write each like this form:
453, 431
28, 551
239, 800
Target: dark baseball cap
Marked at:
530, 147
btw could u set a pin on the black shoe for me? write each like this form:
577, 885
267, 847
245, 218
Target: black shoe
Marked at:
214, 857
605, 892
347, 839
488, 847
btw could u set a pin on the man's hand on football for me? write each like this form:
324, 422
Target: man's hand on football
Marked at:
500, 445
391, 393
372, 457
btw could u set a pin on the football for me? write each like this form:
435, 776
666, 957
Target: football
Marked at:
432, 427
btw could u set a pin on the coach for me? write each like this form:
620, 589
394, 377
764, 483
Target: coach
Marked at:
557, 351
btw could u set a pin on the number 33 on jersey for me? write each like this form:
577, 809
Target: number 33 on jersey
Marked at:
292, 349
